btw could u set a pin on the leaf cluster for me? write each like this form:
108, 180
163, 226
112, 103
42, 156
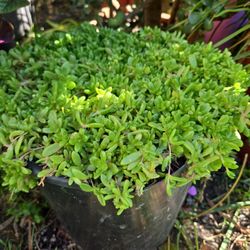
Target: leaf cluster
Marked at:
111, 111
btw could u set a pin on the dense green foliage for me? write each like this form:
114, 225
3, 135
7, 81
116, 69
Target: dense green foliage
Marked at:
111, 110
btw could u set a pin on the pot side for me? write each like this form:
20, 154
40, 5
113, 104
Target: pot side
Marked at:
144, 226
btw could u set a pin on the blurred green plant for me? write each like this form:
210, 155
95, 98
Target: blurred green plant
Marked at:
194, 16
191, 17
26, 209
7, 245
7, 6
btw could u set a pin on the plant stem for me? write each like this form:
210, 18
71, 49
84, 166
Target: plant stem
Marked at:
233, 206
196, 236
227, 238
228, 193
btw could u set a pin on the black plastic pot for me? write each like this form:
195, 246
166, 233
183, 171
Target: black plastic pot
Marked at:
144, 226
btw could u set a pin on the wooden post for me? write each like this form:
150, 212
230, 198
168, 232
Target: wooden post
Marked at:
152, 13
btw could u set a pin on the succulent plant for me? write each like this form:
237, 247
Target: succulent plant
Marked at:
113, 111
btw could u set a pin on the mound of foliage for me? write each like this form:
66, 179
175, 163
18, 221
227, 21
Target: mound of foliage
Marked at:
111, 110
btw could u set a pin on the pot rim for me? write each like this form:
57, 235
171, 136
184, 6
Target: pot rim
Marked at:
63, 181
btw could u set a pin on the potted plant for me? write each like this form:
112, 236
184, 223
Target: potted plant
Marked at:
108, 116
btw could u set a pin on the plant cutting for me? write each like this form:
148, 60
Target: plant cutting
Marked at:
114, 113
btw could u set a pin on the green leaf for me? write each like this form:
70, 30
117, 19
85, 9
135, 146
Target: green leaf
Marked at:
86, 187
44, 173
231, 36
217, 7
208, 3
230, 174
131, 158
78, 173
208, 24
9, 153
181, 14
193, 61
109, 197
57, 159
71, 85
70, 181
101, 199
215, 166
166, 162
120, 210
51, 149
150, 175
76, 158
126, 185
169, 186
132, 165
76, 180
94, 125
25, 170
187, 27
223, 120
208, 151
194, 17
15, 134
156, 126
18, 145
189, 146
229, 163
61, 167
139, 187
105, 180
7, 6
3, 140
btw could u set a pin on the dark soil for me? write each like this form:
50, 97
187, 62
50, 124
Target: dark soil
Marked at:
52, 236
24, 234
